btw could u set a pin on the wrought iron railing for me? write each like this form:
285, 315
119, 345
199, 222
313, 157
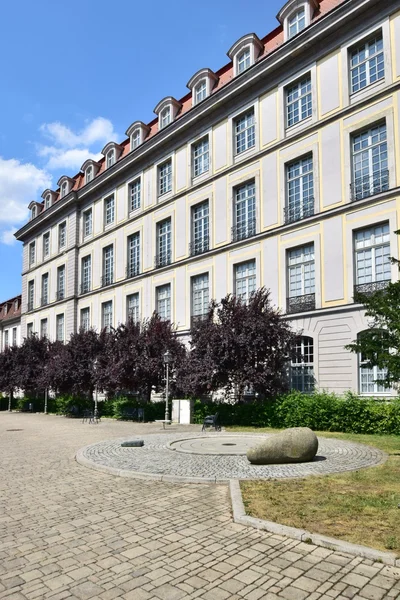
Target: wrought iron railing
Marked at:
163, 259
244, 230
199, 246
369, 288
107, 280
132, 270
29, 306
300, 303
44, 300
369, 185
302, 210
85, 287
60, 295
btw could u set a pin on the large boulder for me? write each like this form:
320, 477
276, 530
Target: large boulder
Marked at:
295, 445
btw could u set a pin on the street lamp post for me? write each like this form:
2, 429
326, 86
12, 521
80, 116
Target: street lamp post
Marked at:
96, 413
45, 400
167, 361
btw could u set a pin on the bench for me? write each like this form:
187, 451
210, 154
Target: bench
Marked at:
212, 421
164, 422
132, 414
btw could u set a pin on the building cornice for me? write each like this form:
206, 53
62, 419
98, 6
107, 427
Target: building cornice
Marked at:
271, 62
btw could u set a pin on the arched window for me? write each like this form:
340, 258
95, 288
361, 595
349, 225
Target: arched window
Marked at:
48, 201
64, 189
370, 375
302, 365
34, 212
296, 22
110, 158
89, 174
165, 117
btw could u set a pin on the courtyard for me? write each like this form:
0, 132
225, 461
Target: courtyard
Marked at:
70, 532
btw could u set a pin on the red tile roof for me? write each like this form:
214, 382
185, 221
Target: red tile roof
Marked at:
271, 42
8, 310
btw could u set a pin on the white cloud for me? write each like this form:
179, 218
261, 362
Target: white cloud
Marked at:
69, 150
19, 184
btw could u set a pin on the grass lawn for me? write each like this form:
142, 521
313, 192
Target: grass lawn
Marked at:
360, 507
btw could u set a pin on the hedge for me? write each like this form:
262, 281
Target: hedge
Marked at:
319, 411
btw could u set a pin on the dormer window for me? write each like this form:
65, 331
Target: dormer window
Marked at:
49, 198
200, 91
296, 15
167, 110
89, 174
297, 22
34, 212
243, 60
201, 85
65, 184
137, 133
112, 152
47, 202
245, 52
110, 158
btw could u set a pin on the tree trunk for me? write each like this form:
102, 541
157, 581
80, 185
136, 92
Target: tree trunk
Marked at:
10, 397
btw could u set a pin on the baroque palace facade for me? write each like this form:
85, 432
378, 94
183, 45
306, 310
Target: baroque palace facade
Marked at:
279, 170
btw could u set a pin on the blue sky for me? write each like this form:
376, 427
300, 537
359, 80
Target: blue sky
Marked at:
77, 74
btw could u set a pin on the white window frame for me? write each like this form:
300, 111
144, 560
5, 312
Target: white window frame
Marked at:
32, 253
300, 185
165, 116
109, 210
133, 307
29, 330
164, 242
45, 290
107, 315
308, 95
372, 374
243, 60
61, 282
379, 250
201, 160
164, 181
307, 270
200, 228
365, 157
60, 328
83, 312
110, 158
366, 45
302, 365
46, 244
64, 189
87, 222
135, 194
136, 138
163, 303
86, 274
245, 279
108, 266
200, 295
31, 294
200, 91
62, 235
44, 328
245, 210
133, 254
89, 175
244, 136
294, 19
47, 202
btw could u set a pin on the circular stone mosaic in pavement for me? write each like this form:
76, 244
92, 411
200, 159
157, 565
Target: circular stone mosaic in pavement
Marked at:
156, 459
228, 445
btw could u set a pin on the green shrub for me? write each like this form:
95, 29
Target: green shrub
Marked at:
152, 410
320, 411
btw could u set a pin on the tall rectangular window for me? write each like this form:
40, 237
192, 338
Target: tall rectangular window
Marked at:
43, 328
31, 294
300, 190
165, 178
372, 258
29, 330
245, 280
370, 162
14, 336
133, 266
46, 245
244, 211
302, 365
61, 283
109, 210
245, 132
86, 274
297, 22
87, 222
85, 319
200, 296
62, 235
45, 289
301, 279
32, 253
132, 307
367, 63
299, 101
6, 339
163, 256
163, 301
201, 157
60, 336
110, 158
106, 315
200, 229
108, 265
135, 139
134, 195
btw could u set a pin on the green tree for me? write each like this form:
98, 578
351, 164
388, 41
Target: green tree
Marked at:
380, 344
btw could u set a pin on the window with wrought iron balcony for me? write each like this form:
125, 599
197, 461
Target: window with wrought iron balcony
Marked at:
244, 212
372, 259
369, 163
300, 190
301, 279
162, 259
132, 269
60, 294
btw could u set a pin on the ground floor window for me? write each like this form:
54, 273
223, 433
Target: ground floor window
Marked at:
302, 365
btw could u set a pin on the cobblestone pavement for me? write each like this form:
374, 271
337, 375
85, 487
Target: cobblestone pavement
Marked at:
68, 532
156, 458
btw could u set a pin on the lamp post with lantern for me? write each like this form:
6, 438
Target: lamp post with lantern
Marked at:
167, 361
